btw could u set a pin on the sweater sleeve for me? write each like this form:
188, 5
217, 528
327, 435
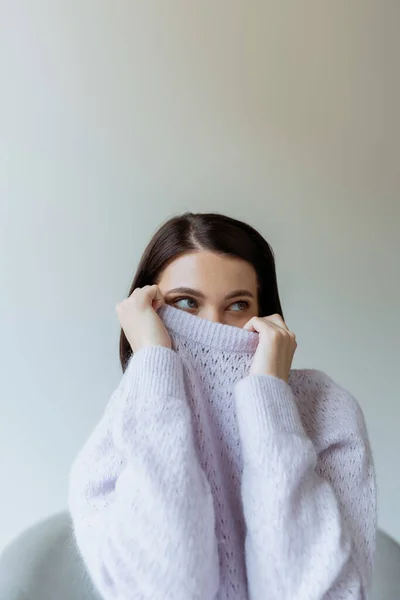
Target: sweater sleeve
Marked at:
141, 505
310, 508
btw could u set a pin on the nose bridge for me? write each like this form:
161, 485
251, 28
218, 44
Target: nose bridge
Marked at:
212, 312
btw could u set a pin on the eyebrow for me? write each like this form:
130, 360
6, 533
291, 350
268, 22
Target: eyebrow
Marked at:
191, 292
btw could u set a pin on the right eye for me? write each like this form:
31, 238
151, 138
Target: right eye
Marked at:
185, 303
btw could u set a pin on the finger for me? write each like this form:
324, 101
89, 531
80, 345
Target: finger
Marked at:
258, 323
156, 297
277, 321
255, 324
249, 325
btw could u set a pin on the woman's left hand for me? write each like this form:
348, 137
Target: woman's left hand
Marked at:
276, 348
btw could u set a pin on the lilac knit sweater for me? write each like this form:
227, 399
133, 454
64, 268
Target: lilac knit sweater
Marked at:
201, 482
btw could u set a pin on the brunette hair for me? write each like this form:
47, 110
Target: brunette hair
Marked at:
216, 233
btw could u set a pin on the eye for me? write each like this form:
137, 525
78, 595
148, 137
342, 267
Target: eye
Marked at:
239, 305
185, 303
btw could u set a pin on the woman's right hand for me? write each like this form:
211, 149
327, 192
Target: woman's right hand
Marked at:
140, 321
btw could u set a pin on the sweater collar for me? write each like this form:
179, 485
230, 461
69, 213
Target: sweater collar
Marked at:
226, 338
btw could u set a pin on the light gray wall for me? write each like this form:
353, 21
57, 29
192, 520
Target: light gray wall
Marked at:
115, 115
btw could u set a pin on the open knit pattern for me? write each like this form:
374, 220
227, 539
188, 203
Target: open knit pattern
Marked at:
202, 482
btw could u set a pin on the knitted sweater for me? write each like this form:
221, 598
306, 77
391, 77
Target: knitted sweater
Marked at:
202, 482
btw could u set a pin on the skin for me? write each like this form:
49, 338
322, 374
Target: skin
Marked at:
215, 287
223, 289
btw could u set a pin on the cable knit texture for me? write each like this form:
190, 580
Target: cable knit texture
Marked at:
201, 482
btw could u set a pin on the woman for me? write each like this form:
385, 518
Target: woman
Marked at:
217, 471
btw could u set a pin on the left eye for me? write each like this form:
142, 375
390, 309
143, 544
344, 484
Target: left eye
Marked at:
186, 303
240, 305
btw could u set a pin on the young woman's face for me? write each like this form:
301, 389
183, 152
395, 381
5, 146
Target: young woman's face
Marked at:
212, 286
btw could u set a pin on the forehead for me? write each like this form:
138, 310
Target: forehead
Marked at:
205, 271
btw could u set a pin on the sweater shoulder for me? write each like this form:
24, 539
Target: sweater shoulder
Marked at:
323, 398
314, 382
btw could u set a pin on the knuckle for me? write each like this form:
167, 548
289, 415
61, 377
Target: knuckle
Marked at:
275, 333
138, 293
146, 291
